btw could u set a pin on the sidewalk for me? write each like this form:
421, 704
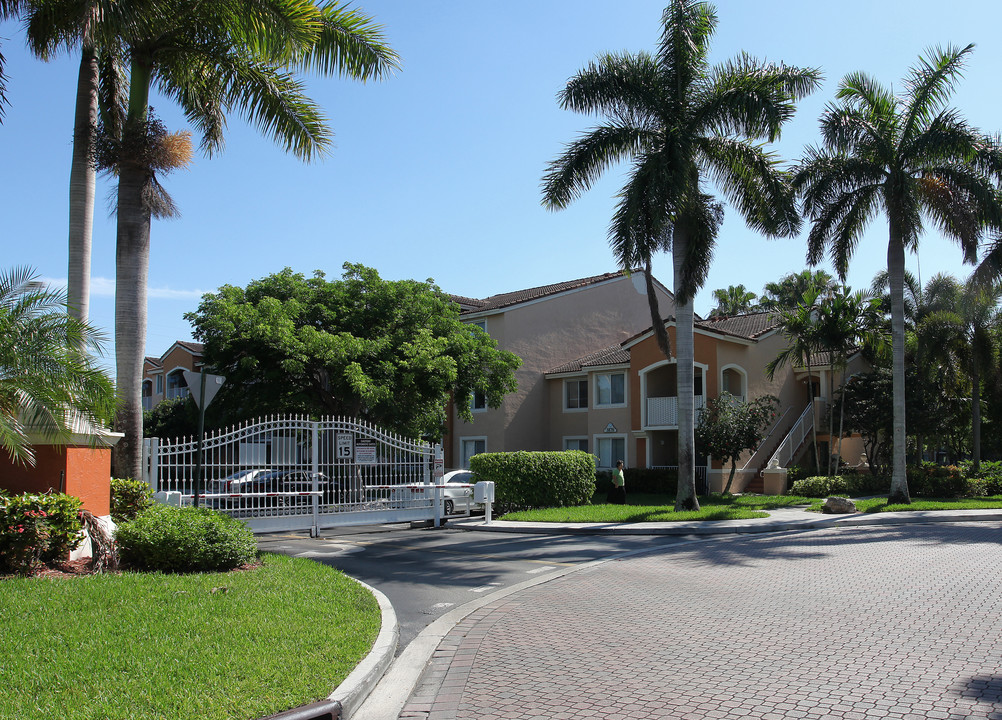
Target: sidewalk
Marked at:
779, 520
456, 670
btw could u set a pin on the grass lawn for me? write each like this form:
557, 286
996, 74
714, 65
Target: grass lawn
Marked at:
878, 505
642, 507
208, 646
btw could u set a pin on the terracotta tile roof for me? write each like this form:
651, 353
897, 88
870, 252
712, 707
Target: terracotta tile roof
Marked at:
612, 355
193, 347
155, 362
503, 300
751, 326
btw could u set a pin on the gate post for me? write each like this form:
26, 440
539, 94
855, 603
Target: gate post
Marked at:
151, 463
315, 474
438, 463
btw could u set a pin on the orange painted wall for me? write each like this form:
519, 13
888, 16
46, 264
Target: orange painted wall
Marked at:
87, 475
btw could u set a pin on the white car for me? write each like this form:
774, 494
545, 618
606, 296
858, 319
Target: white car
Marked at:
454, 495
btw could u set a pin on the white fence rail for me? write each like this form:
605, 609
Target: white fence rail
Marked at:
289, 473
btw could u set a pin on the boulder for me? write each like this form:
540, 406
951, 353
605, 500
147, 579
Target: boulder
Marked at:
838, 506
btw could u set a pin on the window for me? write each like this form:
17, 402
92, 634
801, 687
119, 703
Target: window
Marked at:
471, 447
575, 394
610, 389
160, 384
479, 402
176, 386
576, 443
609, 449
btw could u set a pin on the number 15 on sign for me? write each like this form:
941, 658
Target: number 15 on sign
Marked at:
345, 446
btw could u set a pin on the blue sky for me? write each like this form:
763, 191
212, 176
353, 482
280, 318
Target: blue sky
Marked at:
436, 171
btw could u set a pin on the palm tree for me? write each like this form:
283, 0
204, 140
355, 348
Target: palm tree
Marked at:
680, 122
799, 326
210, 58
48, 385
735, 300
790, 289
912, 158
845, 322
963, 334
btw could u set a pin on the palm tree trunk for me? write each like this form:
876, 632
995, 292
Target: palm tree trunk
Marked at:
132, 263
976, 417
685, 498
82, 184
896, 279
132, 260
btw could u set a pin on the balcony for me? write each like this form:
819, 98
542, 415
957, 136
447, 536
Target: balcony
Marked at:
663, 411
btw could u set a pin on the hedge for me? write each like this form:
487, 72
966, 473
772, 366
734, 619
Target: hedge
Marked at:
37, 529
524, 480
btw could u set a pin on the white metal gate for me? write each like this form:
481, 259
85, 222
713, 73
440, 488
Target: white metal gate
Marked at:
292, 473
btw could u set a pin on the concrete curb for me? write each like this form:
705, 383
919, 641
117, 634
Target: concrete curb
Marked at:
367, 674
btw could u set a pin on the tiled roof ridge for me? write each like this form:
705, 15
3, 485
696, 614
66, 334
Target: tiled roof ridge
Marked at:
612, 355
501, 300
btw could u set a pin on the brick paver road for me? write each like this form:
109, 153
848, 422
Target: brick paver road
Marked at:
886, 622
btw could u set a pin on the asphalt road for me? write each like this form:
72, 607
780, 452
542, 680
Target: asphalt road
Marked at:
426, 572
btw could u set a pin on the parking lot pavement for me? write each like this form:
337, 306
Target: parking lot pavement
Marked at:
900, 622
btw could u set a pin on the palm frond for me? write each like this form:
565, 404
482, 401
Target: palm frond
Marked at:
687, 26
930, 84
753, 182
349, 44
584, 160
623, 86
752, 99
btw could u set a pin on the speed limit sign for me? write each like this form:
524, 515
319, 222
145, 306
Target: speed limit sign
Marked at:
345, 446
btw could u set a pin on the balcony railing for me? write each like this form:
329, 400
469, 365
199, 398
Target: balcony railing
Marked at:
663, 411
176, 392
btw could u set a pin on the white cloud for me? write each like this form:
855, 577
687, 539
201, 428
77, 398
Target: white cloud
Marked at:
105, 287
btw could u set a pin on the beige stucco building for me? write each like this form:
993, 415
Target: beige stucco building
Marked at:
163, 377
594, 379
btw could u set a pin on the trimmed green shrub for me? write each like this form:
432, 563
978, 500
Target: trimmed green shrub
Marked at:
129, 498
641, 480
188, 539
37, 529
524, 480
851, 485
932, 480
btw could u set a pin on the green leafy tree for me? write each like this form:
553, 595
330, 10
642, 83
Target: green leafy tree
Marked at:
735, 300
913, 159
49, 384
789, 290
681, 123
392, 352
728, 427
213, 58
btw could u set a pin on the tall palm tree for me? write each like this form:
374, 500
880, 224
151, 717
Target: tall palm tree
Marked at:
211, 58
914, 159
48, 382
963, 334
680, 122
734, 300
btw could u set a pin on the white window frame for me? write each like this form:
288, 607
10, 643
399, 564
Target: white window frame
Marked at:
160, 383
473, 403
611, 436
575, 438
626, 389
582, 379
463, 459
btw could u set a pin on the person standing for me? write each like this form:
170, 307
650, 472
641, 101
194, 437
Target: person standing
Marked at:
617, 496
